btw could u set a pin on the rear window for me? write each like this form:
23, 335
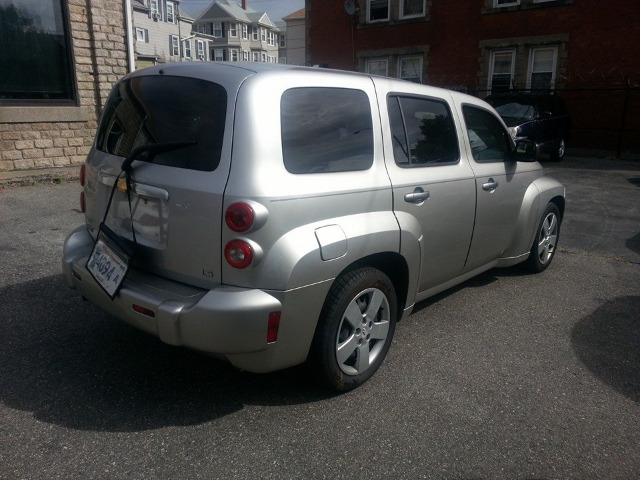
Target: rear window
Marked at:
326, 130
161, 109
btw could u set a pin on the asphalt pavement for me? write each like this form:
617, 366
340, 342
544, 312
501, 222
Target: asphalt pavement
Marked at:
507, 376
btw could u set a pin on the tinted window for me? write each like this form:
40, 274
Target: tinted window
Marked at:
489, 141
35, 57
326, 130
160, 109
423, 132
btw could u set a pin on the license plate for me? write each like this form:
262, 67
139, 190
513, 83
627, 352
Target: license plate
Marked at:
108, 264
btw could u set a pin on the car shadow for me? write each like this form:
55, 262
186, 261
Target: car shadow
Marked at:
608, 343
68, 363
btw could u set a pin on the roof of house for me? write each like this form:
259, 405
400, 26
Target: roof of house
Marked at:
228, 10
299, 15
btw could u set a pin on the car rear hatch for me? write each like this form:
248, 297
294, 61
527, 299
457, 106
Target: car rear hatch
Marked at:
171, 214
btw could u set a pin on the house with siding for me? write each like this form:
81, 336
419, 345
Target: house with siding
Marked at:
236, 32
163, 33
293, 41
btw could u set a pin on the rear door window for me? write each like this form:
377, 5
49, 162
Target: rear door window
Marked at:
164, 109
423, 132
326, 130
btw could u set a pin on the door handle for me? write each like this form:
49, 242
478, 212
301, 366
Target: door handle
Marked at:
490, 186
418, 196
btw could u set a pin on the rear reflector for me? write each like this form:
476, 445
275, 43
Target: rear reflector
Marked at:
273, 326
144, 311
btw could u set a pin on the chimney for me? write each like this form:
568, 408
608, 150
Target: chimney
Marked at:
244, 4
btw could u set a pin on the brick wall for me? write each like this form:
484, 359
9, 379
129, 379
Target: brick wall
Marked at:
33, 137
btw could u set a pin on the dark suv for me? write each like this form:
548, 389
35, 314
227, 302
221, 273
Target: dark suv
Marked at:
540, 117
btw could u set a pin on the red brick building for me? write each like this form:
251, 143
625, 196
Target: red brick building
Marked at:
586, 50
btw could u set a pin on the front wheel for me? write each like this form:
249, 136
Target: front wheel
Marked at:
546, 241
355, 328
558, 154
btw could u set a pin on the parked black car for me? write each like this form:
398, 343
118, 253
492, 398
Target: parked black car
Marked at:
540, 117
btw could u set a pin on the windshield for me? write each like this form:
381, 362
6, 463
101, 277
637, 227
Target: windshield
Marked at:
516, 110
166, 110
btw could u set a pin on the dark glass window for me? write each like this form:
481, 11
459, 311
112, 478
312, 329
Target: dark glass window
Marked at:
160, 109
326, 130
423, 132
489, 141
35, 54
378, 10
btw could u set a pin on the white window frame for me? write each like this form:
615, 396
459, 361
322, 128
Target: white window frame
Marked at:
217, 27
255, 56
371, 61
508, 3
245, 56
218, 55
186, 48
175, 46
255, 34
378, 19
263, 34
410, 57
142, 35
512, 52
233, 55
245, 33
414, 15
153, 6
233, 30
200, 50
171, 12
554, 67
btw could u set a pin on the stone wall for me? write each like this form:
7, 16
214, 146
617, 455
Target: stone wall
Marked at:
33, 137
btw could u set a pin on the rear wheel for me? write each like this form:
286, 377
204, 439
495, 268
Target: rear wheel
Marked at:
546, 241
355, 328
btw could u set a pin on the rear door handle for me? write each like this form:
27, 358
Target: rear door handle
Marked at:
490, 186
418, 196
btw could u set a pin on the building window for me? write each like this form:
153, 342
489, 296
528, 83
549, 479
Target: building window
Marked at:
233, 55
412, 8
233, 30
256, 56
263, 34
410, 68
505, 3
171, 15
186, 46
254, 33
36, 59
218, 55
245, 33
245, 56
174, 45
200, 49
155, 11
542, 66
501, 72
377, 10
218, 30
142, 35
283, 41
377, 66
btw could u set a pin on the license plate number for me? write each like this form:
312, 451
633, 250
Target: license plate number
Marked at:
108, 265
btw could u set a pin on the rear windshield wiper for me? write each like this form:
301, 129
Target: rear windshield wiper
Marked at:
153, 148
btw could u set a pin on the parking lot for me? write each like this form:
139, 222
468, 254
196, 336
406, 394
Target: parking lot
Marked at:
509, 375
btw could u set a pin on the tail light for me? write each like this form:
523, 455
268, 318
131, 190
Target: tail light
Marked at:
82, 175
238, 253
239, 217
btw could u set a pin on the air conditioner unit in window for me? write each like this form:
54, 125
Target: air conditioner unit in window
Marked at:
155, 16
201, 57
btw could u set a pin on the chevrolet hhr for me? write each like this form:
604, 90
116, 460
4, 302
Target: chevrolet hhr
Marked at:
271, 215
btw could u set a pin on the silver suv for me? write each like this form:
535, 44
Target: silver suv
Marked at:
273, 214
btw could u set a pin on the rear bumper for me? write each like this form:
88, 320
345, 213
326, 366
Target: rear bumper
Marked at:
227, 321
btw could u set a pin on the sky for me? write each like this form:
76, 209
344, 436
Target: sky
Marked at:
276, 9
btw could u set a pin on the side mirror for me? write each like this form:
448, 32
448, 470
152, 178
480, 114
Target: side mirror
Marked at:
545, 115
526, 151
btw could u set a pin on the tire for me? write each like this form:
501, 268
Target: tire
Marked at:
546, 240
558, 154
355, 328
